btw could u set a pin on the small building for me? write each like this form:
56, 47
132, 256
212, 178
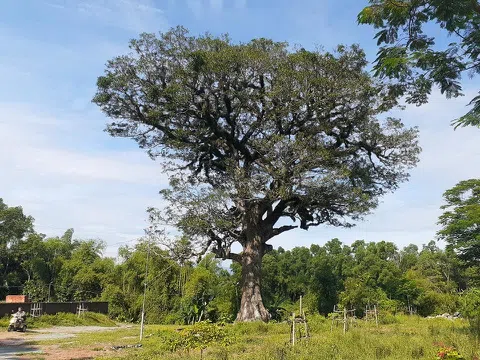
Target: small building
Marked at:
16, 299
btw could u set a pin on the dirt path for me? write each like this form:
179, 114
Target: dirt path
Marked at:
14, 344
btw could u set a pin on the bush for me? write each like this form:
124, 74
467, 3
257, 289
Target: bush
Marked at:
69, 319
317, 323
387, 319
200, 336
471, 308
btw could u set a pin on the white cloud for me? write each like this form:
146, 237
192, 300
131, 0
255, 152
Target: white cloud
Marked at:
31, 146
133, 15
101, 193
67, 173
202, 9
410, 214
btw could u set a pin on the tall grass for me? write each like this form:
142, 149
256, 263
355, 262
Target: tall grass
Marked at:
406, 338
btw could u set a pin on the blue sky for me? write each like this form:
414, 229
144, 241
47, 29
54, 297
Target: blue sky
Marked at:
57, 163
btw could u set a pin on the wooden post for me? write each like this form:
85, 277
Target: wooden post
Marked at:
293, 330
376, 315
300, 305
344, 320
307, 334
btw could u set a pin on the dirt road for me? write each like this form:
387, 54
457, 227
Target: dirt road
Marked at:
14, 345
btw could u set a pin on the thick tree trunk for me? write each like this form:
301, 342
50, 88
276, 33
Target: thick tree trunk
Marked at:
251, 305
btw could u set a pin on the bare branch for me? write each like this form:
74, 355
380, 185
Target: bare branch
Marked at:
282, 229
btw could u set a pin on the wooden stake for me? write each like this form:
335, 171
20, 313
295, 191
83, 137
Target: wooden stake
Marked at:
293, 330
307, 334
376, 315
344, 320
300, 305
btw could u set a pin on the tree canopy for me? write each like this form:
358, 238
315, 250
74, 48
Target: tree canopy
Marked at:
424, 279
411, 52
461, 220
252, 134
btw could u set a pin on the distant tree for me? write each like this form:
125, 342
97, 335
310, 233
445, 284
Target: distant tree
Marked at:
461, 220
408, 257
252, 134
14, 226
375, 276
419, 60
80, 275
329, 267
471, 308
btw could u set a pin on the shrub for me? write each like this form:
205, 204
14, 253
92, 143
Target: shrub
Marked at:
387, 318
471, 308
200, 336
448, 353
64, 319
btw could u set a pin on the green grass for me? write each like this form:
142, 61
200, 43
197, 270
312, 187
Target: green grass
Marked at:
408, 338
63, 319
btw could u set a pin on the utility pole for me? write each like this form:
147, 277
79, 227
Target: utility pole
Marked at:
144, 292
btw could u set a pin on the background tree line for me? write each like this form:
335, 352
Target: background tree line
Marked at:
428, 279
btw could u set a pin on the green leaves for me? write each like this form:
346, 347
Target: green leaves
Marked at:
251, 134
13, 224
407, 54
471, 308
472, 118
461, 220
200, 336
213, 108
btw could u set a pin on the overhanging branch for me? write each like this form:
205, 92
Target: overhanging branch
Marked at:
282, 229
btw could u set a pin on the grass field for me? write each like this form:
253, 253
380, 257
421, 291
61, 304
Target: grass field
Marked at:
406, 338
63, 319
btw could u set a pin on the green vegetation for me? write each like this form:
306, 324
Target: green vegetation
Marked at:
412, 52
409, 337
258, 139
250, 166
254, 136
63, 319
460, 220
426, 280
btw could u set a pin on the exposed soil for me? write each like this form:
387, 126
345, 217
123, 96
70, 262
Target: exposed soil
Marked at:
53, 352
14, 345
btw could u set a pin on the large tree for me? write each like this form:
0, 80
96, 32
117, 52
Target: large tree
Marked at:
412, 52
257, 140
461, 220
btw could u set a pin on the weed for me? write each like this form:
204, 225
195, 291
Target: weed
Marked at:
407, 338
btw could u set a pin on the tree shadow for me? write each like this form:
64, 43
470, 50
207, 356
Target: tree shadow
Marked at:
14, 348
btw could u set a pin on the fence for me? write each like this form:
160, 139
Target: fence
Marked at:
52, 308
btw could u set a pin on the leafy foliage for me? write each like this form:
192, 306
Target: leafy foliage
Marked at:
448, 353
417, 59
200, 336
429, 280
253, 134
461, 220
471, 308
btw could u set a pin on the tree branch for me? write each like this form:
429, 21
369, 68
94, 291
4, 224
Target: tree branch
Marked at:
226, 254
282, 229
476, 6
